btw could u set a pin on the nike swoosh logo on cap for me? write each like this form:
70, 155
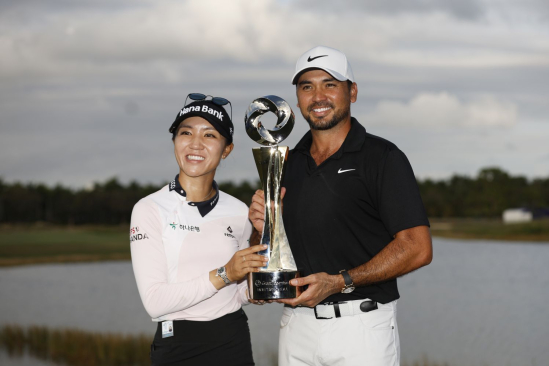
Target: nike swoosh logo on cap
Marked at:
314, 58
343, 171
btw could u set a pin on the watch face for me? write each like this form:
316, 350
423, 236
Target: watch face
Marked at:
347, 290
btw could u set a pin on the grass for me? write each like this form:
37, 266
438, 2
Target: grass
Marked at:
425, 362
75, 347
39, 243
46, 244
80, 348
490, 229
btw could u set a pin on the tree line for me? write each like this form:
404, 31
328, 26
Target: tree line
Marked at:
110, 203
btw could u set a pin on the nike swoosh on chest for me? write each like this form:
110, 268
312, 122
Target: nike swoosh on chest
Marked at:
344, 170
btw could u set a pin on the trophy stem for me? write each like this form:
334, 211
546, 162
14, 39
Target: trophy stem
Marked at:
266, 237
270, 162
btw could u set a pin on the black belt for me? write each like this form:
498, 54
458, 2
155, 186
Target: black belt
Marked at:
338, 309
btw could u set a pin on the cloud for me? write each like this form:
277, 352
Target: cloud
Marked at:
170, 38
89, 89
466, 9
445, 110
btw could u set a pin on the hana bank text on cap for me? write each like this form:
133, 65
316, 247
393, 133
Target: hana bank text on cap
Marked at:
333, 61
211, 110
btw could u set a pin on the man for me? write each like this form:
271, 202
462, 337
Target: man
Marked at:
355, 222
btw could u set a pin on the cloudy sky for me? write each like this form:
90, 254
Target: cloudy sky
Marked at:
88, 89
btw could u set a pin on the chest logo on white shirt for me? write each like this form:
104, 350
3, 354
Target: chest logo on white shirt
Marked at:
192, 228
230, 233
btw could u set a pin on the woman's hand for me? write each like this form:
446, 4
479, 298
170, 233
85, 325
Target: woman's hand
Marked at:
257, 302
245, 261
260, 302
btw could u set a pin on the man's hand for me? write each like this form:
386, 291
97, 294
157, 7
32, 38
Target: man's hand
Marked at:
321, 285
257, 208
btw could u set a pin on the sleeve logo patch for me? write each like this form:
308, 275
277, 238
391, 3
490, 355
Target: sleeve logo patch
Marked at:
136, 235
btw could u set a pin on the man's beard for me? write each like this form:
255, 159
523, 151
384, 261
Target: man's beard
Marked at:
322, 125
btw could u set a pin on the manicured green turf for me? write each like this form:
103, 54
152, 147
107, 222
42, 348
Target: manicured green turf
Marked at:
491, 229
45, 244
32, 244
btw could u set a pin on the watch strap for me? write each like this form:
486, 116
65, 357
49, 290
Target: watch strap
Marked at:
347, 278
221, 272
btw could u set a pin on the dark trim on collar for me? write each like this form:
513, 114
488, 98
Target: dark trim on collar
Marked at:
176, 186
353, 141
204, 207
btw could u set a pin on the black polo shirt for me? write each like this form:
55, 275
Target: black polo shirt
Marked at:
342, 213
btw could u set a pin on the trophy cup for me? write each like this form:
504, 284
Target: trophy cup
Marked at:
273, 280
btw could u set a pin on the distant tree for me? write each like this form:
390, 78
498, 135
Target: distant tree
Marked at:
111, 202
2, 189
243, 191
491, 192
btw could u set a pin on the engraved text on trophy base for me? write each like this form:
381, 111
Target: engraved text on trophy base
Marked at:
272, 285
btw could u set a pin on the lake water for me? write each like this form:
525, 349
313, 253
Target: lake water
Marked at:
480, 303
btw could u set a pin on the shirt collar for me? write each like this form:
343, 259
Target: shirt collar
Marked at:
353, 141
203, 207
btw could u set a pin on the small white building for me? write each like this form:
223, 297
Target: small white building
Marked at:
517, 215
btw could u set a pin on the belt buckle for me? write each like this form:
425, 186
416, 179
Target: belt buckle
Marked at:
320, 317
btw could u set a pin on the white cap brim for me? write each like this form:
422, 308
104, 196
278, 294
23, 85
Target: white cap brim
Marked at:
333, 61
335, 74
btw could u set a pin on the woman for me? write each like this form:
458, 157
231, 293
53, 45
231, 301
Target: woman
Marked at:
192, 257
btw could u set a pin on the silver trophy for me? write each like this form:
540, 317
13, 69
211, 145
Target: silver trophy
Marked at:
273, 280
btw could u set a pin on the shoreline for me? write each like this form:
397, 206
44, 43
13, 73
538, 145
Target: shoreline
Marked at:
60, 259
491, 229
45, 244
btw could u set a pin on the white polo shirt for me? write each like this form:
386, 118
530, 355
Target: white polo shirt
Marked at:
175, 243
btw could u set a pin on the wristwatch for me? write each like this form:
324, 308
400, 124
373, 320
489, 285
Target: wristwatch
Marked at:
349, 286
221, 272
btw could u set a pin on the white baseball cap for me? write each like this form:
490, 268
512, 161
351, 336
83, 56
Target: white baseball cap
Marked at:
332, 61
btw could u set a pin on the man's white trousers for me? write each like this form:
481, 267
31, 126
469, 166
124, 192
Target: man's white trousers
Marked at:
362, 339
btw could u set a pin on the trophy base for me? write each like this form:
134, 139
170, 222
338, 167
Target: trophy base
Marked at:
272, 285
